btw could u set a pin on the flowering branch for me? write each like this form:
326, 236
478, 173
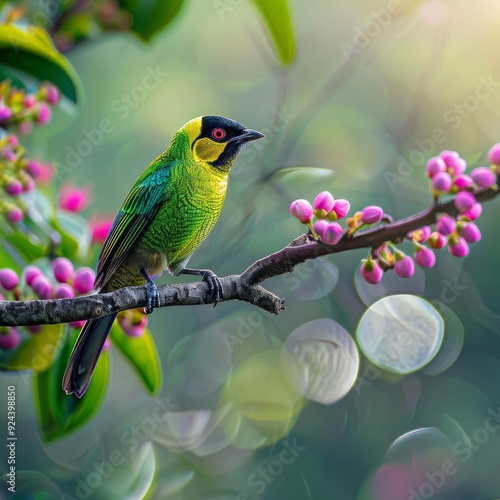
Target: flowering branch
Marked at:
245, 287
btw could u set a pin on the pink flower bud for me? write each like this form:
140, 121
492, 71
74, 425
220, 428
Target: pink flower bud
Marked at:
10, 340
437, 240
8, 278
83, 280
469, 232
30, 273
43, 114
494, 154
404, 267
484, 177
29, 101
441, 182
301, 210
340, 208
62, 269
42, 286
131, 326
13, 140
74, 199
33, 168
447, 153
459, 248
5, 113
9, 155
372, 214
463, 181
425, 257
473, 213
332, 233
100, 227
28, 183
434, 166
63, 291
464, 201
13, 187
135, 330
14, 215
324, 201
319, 227
52, 94
371, 271
420, 235
454, 164
446, 224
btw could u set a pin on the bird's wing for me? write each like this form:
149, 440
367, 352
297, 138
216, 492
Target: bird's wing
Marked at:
138, 210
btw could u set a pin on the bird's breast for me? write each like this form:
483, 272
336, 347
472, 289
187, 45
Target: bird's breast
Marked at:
188, 216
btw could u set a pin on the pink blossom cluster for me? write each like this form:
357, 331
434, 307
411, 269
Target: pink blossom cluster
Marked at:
447, 177
21, 109
326, 210
61, 282
17, 177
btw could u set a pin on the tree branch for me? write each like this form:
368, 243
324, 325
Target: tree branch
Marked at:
245, 287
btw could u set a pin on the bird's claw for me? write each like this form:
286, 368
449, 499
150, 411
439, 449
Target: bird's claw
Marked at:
152, 297
214, 285
152, 294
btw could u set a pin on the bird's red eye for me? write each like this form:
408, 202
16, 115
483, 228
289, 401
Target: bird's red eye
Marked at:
218, 133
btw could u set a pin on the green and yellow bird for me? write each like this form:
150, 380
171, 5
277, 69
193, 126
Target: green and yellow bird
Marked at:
169, 212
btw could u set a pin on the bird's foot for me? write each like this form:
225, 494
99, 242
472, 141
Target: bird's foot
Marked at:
211, 279
152, 294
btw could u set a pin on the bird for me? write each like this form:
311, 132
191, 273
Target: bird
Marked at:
170, 210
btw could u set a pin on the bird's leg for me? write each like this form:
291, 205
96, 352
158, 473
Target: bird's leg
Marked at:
209, 277
152, 295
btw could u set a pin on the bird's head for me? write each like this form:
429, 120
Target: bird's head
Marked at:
217, 140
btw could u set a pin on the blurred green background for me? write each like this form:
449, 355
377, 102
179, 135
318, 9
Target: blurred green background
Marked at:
373, 88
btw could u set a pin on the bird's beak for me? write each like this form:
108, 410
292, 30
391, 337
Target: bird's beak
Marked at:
250, 135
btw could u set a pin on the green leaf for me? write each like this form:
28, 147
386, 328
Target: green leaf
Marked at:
25, 246
31, 50
75, 235
10, 256
39, 351
59, 414
151, 16
142, 354
277, 18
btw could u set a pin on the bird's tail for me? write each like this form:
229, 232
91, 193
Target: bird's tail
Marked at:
85, 354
